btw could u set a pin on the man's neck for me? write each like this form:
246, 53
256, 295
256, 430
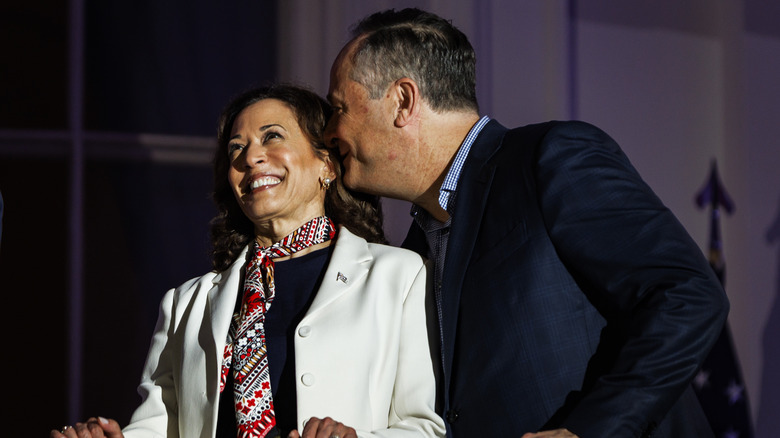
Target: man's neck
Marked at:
443, 143
430, 203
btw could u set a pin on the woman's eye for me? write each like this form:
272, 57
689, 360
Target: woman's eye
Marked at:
271, 136
234, 147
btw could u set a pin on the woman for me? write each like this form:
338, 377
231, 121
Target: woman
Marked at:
304, 328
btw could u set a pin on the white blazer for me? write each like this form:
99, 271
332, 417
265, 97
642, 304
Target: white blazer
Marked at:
361, 350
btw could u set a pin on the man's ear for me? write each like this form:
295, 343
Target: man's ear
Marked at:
407, 96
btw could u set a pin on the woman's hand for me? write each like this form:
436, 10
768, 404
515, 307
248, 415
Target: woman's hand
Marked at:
94, 428
324, 428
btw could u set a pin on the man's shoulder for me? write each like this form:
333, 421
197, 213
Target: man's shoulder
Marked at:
552, 128
529, 139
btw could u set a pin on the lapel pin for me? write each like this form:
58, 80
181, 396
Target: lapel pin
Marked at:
341, 277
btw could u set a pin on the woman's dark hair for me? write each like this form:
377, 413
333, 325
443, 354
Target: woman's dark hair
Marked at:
231, 230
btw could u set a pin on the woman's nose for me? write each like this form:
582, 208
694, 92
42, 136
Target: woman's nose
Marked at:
254, 154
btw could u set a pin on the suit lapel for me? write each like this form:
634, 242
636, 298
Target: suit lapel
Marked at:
473, 187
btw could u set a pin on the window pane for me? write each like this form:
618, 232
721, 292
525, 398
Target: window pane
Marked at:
170, 67
33, 67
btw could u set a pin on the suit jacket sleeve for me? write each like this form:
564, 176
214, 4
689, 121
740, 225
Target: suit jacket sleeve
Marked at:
632, 258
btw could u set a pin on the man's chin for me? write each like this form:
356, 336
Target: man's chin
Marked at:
352, 179
359, 184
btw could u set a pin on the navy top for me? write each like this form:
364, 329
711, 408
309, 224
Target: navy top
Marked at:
297, 281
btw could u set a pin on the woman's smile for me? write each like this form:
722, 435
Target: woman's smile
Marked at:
263, 182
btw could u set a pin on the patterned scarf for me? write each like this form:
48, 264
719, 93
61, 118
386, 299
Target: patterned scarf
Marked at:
248, 355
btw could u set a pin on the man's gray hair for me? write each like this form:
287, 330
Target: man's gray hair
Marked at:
419, 45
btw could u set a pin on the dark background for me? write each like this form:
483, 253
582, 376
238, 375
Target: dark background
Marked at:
149, 67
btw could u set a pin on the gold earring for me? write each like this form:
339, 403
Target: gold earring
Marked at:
326, 183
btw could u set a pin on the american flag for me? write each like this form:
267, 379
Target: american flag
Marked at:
719, 383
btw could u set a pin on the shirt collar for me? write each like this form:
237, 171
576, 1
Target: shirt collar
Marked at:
450, 185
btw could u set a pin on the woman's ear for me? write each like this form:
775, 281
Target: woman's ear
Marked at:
328, 170
407, 96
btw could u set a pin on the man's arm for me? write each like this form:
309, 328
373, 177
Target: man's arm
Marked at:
642, 271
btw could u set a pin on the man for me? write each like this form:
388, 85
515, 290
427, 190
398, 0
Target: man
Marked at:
570, 300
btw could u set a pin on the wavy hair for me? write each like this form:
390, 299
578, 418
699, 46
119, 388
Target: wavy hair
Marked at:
231, 230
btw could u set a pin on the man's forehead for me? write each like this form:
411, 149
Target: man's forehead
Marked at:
338, 85
345, 59
335, 90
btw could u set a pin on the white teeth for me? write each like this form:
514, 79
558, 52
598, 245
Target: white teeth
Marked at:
264, 181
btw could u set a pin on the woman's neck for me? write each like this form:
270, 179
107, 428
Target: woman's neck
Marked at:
304, 251
272, 231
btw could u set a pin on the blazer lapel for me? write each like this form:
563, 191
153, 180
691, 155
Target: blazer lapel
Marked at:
473, 187
222, 300
348, 264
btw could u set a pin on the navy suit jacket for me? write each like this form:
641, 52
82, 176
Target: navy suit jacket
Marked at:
572, 297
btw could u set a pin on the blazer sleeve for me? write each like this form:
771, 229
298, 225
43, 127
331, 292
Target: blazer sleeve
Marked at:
638, 266
156, 415
412, 409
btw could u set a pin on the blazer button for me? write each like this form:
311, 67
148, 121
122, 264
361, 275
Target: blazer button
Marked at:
452, 416
304, 331
307, 379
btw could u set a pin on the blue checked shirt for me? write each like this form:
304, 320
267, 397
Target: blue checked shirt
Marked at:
437, 233
450, 185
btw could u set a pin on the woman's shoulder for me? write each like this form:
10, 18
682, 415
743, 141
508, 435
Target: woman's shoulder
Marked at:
191, 287
210, 279
380, 252
207, 278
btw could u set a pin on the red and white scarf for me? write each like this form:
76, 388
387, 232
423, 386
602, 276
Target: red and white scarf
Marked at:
246, 351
